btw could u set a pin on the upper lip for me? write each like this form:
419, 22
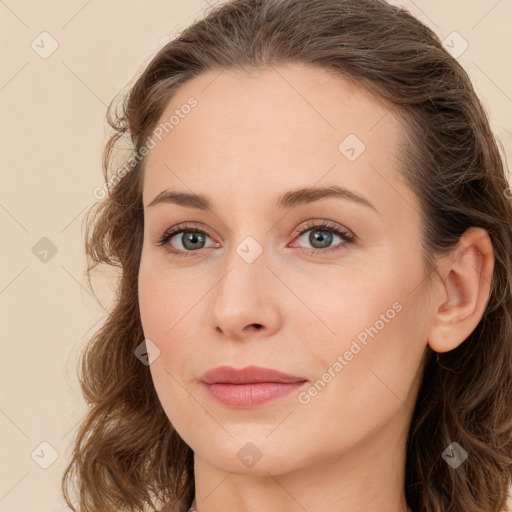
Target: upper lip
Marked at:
247, 375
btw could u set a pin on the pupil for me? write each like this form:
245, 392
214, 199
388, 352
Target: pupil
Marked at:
191, 239
324, 238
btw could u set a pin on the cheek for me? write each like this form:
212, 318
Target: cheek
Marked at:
353, 309
157, 318
152, 302
166, 312
160, 312
378, 340
161, 298
367, 376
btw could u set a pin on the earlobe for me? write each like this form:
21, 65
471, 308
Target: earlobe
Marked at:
460, 300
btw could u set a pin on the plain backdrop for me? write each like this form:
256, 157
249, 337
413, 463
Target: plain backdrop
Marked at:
62, 62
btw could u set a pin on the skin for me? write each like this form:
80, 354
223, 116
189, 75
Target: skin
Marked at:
251, 138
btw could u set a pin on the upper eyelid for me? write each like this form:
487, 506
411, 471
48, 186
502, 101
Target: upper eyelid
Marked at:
183, 226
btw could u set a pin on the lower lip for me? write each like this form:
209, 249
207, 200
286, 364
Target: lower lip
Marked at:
250, 395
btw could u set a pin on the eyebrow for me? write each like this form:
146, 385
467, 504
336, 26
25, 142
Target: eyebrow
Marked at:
288, 200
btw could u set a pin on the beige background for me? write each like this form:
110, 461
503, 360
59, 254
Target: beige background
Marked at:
52, 134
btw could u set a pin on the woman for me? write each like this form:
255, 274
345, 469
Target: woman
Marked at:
315, 201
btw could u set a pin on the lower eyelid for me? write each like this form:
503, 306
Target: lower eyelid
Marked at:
344, 241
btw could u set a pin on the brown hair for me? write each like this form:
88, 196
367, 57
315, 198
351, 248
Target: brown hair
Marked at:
126, 453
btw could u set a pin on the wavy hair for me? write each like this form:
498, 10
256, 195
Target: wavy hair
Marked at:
126, 453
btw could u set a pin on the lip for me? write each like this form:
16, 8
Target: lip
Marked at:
250, 386
247, 375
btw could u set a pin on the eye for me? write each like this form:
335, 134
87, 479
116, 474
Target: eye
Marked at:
322, 234
191, 239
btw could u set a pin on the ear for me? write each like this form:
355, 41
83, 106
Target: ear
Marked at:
460, 299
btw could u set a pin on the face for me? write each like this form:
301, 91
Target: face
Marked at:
328, 286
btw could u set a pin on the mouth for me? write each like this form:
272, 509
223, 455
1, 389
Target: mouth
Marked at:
250, 386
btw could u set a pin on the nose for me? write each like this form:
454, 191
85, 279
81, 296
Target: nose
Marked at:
245, 301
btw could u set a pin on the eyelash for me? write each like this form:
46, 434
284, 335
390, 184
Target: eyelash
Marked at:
321, 226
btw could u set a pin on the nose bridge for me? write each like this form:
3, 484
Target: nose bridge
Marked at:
242, 296
246, 267
249, 241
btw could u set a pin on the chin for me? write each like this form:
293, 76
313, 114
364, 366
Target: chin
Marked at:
253, 458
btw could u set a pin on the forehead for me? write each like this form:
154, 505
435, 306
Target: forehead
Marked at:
268, 129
